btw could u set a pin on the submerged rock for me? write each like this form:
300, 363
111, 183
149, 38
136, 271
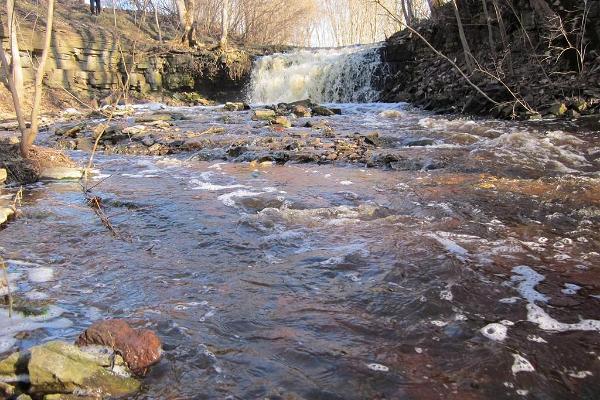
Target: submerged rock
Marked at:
140, 348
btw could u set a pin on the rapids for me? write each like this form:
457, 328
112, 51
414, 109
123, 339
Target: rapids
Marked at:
464, 265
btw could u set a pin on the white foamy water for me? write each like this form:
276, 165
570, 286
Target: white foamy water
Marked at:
323, 75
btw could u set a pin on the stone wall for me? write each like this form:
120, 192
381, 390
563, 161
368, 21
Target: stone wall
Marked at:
96, 66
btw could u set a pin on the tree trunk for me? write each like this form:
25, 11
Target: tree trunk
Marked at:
29, 136
181, 11
17, 70
157, 22
543, 10
409, 12
224, 23
488, 20
463, 39
15, 86
434, 6
190, 23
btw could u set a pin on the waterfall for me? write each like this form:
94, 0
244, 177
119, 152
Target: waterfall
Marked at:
341, 75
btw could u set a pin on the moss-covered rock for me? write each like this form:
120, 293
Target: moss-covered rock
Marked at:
59, 367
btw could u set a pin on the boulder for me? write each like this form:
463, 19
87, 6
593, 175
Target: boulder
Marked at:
140, 348
301, 111
153, 118
3, 175
59, 367
59, 173
420, 142
236, 106
282, 121
558, 109
325, 111
134, 130
6, 212
322, 111
84, 144
70, 130
12, 367
263, 114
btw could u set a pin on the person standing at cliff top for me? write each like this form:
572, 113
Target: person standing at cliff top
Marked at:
95, 7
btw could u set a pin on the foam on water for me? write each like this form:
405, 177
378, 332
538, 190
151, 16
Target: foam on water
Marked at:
212, 187
527, 280
228, 198
40, 274
571, 289
451, 246
538, 316
495, 331
555, 150
21, 323
521, 364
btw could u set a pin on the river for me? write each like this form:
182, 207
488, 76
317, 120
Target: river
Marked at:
465, 266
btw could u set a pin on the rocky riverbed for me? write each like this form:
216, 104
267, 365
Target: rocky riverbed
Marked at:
377, 251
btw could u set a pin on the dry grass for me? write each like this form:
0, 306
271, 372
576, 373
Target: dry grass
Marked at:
27, 171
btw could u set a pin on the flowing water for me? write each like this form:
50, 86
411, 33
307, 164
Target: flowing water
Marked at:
345, 74
467, 268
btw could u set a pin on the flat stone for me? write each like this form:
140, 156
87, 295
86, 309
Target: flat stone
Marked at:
70, 130
3, 175
59, 173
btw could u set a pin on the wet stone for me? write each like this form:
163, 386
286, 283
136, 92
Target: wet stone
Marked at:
140, 348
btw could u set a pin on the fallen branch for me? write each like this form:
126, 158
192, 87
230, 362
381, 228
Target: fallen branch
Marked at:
8, 296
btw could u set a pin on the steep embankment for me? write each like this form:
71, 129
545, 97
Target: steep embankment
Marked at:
94, 56
543, 73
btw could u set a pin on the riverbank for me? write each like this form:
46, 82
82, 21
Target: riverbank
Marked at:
543, 74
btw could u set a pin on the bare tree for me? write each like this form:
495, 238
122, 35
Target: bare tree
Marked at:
224, 23
14, 74
463, 39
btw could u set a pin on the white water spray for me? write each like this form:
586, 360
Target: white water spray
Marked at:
342, 75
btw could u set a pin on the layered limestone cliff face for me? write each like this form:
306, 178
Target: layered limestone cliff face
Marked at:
96, 66
537, 69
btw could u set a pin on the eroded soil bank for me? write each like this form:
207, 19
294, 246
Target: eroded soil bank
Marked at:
384, 253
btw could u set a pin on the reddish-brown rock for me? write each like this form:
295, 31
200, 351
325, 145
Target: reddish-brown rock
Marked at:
140, 348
